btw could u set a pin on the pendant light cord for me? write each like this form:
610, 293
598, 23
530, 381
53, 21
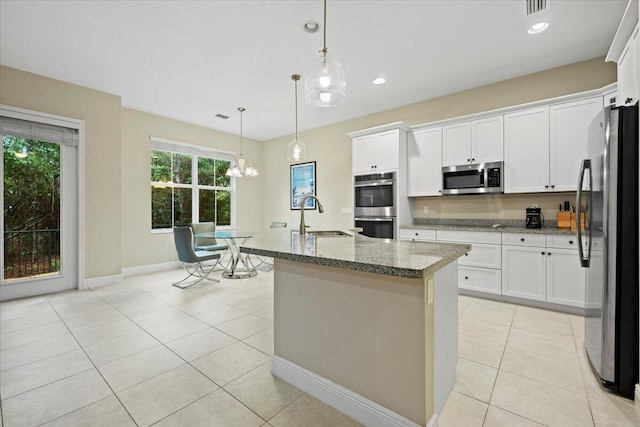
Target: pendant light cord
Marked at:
324, 28
296, 94
241, 109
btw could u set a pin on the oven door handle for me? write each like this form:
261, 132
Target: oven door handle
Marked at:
374, 183
374, 219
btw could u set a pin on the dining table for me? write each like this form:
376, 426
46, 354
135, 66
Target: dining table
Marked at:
233, 239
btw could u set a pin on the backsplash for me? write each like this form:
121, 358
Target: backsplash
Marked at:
490, 207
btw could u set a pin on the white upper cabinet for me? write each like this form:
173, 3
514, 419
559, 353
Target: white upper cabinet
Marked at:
526, 151
569, 123
376, 152
628, 72
478, 141
487, 140
424, 162
456, 144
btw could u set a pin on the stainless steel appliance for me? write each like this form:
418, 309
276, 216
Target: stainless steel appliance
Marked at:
473, 179
534, 217
608, 246
375, 204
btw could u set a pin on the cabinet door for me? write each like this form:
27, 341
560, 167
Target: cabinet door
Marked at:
565, 277
487, 137
523, 272
424, 162
386, 148
362, 154
628, 72
456, 144
479, 279
569, 123
526, 151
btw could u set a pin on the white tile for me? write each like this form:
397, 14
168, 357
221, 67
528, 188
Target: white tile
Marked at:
542, 325
93, 316
244, 326
117, 348
160, 396
175, 329
483, 330
229, 363
462, 411
253, 304
54, 400
158, 317
107, 412
139, 367
262, 341
308, 411
218, 409
35, 333
105, 332
24, 308
221, 314
200, 344
20, 323
197, 304
34, 351
497, 417
475, 380
479, 350
27, 377
136, 308
488, 313
554, 346
540, 402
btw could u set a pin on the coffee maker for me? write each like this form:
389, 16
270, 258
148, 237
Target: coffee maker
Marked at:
534, 217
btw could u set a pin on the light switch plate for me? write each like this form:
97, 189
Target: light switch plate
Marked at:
429, 291
425, 209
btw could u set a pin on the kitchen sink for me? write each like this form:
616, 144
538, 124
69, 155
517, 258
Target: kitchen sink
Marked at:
328, 233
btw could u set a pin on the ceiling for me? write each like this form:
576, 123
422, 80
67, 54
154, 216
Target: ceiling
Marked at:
190, 60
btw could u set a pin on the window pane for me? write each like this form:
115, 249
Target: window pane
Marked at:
206, 171
181, 168
182, 206
207, 208
223, 207
160, 207
160, 166
222, 180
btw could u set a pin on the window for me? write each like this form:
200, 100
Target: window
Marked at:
188, 184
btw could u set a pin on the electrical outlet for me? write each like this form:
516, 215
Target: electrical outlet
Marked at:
425, 209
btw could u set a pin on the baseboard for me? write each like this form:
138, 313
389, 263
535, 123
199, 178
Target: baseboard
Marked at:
98, 282
344, 400
150, 268
433, 422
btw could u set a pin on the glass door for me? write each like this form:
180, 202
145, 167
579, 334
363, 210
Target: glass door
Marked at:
39, 217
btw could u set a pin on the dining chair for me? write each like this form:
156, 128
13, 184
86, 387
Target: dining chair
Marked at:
269, 261
208, 243
192, 259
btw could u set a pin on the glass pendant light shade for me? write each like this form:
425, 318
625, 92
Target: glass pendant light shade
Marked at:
324, 82
241, 167
296, 150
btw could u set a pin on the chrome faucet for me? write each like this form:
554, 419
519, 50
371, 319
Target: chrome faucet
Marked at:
302, 203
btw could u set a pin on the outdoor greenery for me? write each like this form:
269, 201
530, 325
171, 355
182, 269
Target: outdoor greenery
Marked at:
172, 190
31, 206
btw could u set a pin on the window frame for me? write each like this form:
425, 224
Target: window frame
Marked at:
195, 151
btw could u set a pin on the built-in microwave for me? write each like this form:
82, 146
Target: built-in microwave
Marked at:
480, 178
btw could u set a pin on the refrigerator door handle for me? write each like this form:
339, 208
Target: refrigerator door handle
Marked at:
584, 167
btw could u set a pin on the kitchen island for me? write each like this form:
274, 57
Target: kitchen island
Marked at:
368, 326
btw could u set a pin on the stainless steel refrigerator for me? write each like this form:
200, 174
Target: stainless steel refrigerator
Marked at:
608, 247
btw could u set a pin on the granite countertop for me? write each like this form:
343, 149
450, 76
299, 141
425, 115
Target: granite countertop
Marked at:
483, 225
356, 252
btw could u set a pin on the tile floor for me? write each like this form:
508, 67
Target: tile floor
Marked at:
146, 353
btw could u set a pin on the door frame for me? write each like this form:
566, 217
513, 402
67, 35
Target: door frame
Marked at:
54, 119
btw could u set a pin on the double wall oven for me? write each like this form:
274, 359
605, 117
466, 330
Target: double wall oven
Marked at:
375, 204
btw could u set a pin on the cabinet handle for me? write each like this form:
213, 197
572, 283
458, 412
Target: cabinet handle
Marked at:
549, 253
466, 277
473, 159
571, 242
416, 234
522, 239
541, 253
628, 100
439, 191
546, 186
553, 186
468, 160
466, 254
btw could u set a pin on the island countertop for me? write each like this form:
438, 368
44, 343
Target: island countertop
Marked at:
356, 252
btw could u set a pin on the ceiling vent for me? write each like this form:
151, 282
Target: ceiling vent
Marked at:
535, 6
222, 116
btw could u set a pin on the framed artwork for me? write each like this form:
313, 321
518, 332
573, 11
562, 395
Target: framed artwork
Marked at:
303, 182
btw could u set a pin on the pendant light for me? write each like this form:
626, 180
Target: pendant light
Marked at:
324, 80
241, 168
296, 149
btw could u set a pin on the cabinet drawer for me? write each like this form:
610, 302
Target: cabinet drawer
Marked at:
562, 242
469, 236
479, 279
418, 235
482, 255
523, 239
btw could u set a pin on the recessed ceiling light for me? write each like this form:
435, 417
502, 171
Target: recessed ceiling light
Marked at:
379, 80
311, 26
538, 28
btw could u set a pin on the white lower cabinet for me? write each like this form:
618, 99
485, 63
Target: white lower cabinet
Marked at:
565, 277
524, 272
479, 279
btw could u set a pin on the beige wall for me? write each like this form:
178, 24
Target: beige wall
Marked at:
101, 114
139, 245
330, 147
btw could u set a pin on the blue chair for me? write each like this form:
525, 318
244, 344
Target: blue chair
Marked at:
207, 243
192, 259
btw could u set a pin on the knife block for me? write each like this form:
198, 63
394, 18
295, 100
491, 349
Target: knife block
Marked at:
564, 219
573, 221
